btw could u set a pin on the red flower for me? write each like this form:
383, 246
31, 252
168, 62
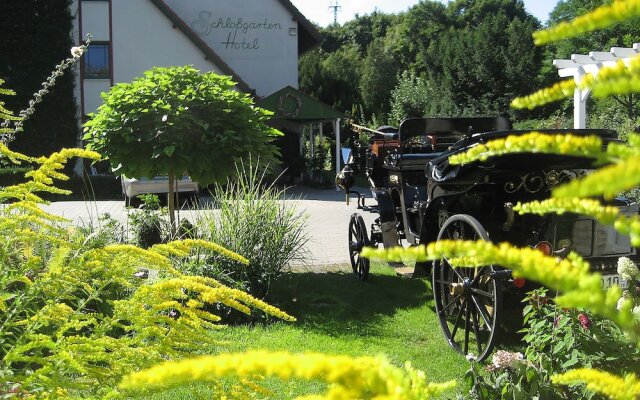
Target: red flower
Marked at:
584, 321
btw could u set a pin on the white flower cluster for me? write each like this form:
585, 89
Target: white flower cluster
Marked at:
627, 269
504, 359
77, 51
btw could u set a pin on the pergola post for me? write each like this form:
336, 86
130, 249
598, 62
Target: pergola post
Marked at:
581, 64
579, 102
337, 130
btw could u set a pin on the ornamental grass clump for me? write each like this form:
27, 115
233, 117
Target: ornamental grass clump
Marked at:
249, 216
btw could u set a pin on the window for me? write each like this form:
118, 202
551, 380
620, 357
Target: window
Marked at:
96, 61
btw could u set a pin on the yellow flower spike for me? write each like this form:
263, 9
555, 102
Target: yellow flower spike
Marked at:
559, 91
607, 181
600, 18
182, 247
350, 378
612, 386
13, 156
570, 276
534, 142
604, 214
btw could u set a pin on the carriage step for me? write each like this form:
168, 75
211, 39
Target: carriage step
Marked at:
405, 272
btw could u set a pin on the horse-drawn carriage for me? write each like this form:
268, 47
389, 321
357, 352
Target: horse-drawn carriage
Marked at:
422, 198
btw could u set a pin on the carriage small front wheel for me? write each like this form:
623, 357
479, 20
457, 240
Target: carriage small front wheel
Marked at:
468, 301
358, 239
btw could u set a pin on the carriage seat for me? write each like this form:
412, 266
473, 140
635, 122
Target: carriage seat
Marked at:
416, 161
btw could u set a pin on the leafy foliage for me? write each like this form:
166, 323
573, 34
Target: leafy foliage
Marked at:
410, 98
557, 340
176, 119
74, 316
475, 54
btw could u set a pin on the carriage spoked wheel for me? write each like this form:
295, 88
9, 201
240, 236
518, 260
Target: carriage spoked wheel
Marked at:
358, 239
468, 300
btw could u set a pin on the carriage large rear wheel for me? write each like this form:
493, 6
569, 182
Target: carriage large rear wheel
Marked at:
358, 239
468, 300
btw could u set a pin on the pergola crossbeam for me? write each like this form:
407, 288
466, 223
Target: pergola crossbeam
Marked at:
581, 64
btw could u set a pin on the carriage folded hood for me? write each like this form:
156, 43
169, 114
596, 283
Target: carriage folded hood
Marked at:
440, 170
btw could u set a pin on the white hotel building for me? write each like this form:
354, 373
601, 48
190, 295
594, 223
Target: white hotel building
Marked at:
258, 42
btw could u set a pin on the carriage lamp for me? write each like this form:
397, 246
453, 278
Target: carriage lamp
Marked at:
545, 247
519, 282
344, 180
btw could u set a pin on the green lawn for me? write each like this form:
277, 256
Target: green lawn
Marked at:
338, 314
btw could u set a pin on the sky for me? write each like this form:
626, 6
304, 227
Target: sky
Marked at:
318, 10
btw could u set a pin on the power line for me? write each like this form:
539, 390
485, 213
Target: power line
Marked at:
336, 9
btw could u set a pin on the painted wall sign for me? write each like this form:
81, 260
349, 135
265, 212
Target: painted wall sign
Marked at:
251, 36
240, 33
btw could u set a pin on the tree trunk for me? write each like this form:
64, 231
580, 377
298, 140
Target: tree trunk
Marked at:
171, 201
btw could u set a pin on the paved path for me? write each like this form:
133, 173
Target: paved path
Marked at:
328, 220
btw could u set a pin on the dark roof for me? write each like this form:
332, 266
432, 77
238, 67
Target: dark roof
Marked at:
309, 37
291, 104
200, 44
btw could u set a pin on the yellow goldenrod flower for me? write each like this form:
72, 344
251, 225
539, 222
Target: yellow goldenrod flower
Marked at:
601, 17
184, 246
534, 142
558, 91
612, 386
606, 215
622, 78
570, 276
350, 378
607, 181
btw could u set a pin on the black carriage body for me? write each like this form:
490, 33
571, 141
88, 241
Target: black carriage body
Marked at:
422, 198
417, 189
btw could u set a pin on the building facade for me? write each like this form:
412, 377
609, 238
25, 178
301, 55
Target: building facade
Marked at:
257, 42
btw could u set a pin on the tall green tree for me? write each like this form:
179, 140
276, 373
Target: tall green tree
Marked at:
35, 37
485, 58
176, 120
410, 98
377, 79
415, 31
332, 78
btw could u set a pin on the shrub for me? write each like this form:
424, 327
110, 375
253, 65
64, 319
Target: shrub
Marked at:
557, 339
147, 223
250, 218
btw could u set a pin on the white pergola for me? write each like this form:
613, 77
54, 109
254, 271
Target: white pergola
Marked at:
581, 64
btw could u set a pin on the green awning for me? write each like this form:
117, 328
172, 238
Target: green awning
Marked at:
291, 104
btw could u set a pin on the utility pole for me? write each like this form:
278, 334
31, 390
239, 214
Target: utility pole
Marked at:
336, 9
